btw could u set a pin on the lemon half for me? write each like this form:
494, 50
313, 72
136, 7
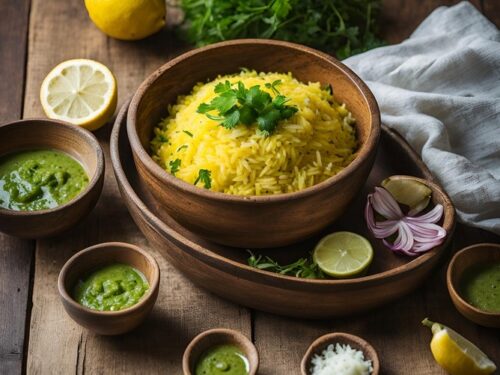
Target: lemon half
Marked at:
82, 92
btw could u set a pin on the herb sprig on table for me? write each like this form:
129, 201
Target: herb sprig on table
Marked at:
340, 27
303, 268
236, 104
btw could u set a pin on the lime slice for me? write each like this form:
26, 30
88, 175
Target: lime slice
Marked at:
343, 254
411, 193
82, 92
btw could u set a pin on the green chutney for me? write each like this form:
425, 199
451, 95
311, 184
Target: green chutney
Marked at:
111, 288
480, 286
223, 360
39, 179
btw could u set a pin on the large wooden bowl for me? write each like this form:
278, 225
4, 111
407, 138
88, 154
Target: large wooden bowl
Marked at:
224, 270
264, 221
51, 134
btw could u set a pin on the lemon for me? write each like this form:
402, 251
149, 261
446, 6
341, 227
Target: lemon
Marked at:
411, 193
343, 254
127, 19
456, 354
82, 92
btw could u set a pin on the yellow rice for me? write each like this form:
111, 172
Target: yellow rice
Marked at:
309, 147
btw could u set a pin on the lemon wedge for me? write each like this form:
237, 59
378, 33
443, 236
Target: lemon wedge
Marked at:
411, 193
82, 92
456, 354
343, 254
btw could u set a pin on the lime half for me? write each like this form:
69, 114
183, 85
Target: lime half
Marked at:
343, 254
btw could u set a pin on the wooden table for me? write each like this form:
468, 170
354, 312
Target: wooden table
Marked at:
36, 336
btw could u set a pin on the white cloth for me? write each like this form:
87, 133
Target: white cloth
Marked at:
440, 89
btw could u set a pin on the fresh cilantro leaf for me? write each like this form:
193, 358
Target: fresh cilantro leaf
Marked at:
303, 268
248, 106
174, 166
188, 133
205, 176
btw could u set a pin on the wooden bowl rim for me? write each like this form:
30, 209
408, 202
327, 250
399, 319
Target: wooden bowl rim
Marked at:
253, 356
81, 133
166, 178
453, 290
341, 337
154, 283
244, 270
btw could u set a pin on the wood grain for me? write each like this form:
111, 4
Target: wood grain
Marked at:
57, 345
16, 255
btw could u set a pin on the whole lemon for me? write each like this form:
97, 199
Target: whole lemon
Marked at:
127, 19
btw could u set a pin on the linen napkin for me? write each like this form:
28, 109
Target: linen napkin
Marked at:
440, 89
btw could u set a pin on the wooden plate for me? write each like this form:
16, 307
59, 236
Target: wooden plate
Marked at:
224, 270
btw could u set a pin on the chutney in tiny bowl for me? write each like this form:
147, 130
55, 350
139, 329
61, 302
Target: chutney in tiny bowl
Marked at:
473, 280
51, 176
112, 275
345, 343
226, 349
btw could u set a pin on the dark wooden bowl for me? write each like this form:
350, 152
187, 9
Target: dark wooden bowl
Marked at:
354, 342
224, 270
219, 336
95, 257
482, 253
77, 142
257, 221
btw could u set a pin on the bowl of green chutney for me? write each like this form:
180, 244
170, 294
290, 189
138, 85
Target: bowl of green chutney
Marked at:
109, 288
473, 280
51, 176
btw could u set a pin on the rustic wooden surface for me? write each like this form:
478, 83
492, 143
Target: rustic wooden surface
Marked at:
59, 30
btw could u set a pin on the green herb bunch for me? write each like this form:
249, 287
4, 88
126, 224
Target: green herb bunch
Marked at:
236, 104
303, 268
339, 27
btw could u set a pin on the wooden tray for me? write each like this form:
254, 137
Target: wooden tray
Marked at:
224, 270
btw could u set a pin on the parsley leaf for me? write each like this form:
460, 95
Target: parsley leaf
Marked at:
236, 104
174, 166
340, 27
205, 176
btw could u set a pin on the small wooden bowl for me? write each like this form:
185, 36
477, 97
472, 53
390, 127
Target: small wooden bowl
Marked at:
354, 342
73, 140
219, 336
256, 221
470, 256
94, 257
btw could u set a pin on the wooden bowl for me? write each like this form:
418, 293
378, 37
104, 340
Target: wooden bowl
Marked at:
354, 342
257, 221
218, 336
482, 253
73, 140
214, 266
95, 257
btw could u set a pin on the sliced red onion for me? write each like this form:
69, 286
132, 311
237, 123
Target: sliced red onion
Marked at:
415, 234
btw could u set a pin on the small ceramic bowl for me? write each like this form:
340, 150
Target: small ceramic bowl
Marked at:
462, 261
95, 257
235, 220
355, 342
73, 140
219, 336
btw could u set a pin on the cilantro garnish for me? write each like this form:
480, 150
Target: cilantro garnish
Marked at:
238, 105
205, 176
162, 138
174, 166
188, 133
303, 268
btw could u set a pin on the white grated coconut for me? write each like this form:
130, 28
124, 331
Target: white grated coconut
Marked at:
340, 360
